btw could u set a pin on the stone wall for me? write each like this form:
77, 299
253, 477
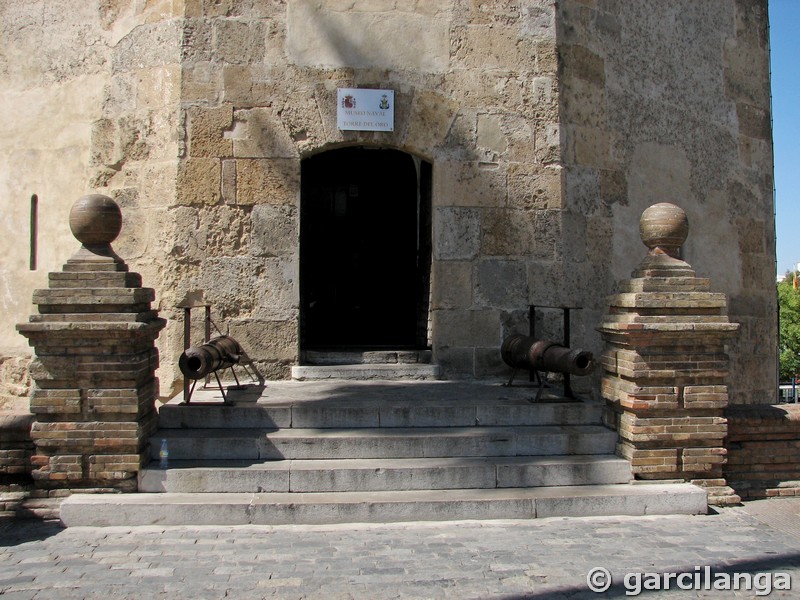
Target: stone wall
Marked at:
763, 445
52, 72
669, 101
136, 142
549, 127
477, 97
71, 73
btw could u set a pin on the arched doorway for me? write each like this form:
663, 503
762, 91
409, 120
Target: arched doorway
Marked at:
365, 250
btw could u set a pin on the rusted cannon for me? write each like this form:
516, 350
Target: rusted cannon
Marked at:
523, 352
218, 353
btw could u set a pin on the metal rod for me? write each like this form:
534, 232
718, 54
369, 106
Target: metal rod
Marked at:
511, 379
191, 391
567, 386
532, 374
207, 336
235, 377
221, 389
187, 332
34, 231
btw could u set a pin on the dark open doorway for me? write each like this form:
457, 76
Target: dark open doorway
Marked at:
365, 250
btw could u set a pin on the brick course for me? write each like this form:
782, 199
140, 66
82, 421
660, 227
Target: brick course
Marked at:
763, 445
95, 389
16, 449
665, 367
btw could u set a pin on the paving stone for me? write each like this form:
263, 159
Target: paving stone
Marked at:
549, 558
22, 595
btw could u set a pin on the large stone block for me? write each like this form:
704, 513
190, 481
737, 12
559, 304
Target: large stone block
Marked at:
159, 88
309, 117
429, 121
452, 284
229, 8
457, 362
238, 82
239, 41
199, 181
520, 233
268, 341
466, 183
249, 286
489, 363
508, 136
14, 382
197, 35
501, 283
581, 190
581, 63
260, 133
264, 181
587, 102
532, 186
319, 35
468, 328
204, 232
105, 149
593, 146
754, 121
202, 81
149, 45
275, 230
745, 73
478, 90
456, 233
207, 127
490, 134
479, 47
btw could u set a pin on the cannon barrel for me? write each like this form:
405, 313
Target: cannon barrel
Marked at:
218, 353
523, 352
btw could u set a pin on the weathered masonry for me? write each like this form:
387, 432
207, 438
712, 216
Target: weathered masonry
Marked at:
526, 140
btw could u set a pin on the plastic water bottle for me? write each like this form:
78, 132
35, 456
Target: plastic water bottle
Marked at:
163, 454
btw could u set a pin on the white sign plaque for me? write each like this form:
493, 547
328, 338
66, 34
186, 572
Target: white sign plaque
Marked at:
364, 110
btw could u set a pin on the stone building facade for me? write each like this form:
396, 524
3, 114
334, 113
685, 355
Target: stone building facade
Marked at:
527, 139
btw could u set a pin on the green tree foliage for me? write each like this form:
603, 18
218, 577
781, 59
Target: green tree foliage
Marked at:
789, 328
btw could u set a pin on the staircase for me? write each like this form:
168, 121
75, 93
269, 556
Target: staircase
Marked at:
380, 451
385, 365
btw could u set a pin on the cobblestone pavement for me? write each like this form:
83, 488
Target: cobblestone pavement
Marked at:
547, 558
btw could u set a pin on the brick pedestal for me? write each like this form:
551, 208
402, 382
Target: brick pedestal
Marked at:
666, 366
95, 387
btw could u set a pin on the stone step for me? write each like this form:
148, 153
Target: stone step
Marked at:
383, 474
403, 413
362, 372
393, 442
103, 510
366, 357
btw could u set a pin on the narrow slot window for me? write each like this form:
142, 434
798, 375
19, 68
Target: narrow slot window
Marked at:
34, 230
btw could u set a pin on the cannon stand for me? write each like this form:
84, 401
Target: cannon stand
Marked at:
535, 376
187, 333
187, 398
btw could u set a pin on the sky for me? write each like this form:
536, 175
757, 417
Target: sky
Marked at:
784, 17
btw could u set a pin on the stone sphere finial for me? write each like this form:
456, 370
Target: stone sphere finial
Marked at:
95, 220
663, 228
